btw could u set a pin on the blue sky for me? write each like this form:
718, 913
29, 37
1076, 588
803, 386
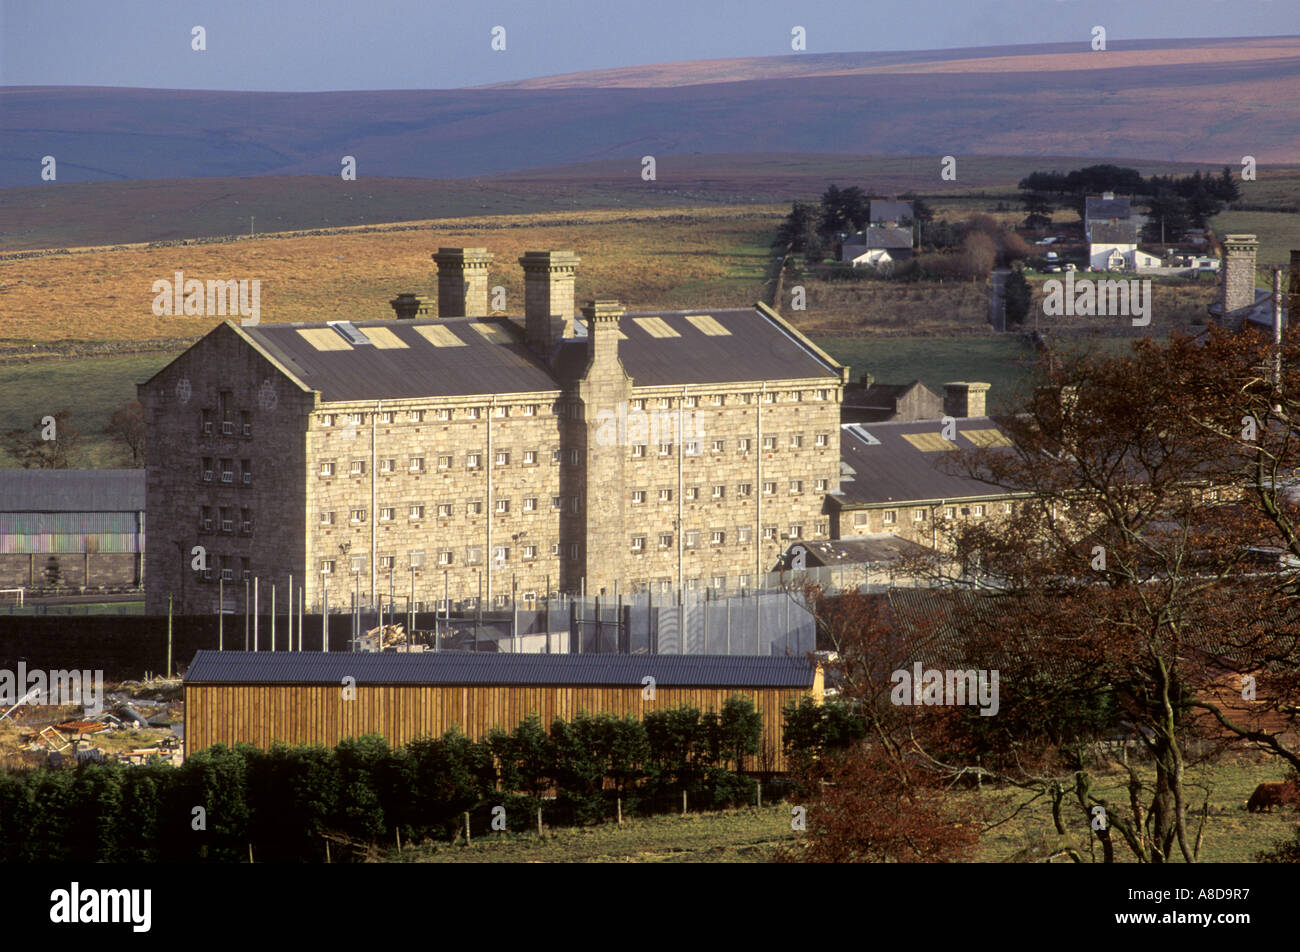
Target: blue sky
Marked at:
293, 45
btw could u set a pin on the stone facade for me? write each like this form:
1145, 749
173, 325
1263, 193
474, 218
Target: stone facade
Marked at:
1238, 271
599, 483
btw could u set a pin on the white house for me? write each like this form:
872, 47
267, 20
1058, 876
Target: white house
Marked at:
1113, 247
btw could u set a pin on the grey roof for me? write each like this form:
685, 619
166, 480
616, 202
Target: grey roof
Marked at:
1096, 207
754, 347
478, 365
757, 348
71, 490
878, 547
878, 465
467, 668
882, 210
876, 238
1259, 313
1121, 233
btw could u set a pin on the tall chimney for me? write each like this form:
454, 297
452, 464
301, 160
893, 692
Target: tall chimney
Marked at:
463, 281
1238, 271
602, 318
548, 298
963, 398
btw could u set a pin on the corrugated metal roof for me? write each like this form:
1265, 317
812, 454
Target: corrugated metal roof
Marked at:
465, 668
71, 490
895, 470
71, 523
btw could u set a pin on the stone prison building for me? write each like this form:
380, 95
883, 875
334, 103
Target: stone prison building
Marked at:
477, 455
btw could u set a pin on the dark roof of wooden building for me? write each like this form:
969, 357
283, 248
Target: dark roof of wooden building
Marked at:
71, 490
475, 668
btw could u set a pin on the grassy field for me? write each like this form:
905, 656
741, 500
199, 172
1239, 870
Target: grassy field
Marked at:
92, 388
752, 834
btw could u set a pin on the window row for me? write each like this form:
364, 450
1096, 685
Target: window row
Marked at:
468, 555
742, 490
224, 470
417, 464
227, 569
692, 401
744, 535
439, 414
889, 517
447, 510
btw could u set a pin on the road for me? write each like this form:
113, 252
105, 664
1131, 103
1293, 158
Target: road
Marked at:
997, 299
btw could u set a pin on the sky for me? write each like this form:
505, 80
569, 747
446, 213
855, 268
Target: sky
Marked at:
317, 45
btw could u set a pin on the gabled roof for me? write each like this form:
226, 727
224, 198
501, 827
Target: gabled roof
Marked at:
899, 463
487, 668
1096, 207
882, 210
71, 490
1259, 314
464, 356
675, 348
1121, 233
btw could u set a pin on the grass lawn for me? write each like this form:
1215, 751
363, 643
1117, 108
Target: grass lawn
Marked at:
91, 387
732, 836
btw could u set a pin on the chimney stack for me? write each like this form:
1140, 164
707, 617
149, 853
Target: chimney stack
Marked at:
408, 305
548, 298
463, 281
964, 398
602, 317
1238, 272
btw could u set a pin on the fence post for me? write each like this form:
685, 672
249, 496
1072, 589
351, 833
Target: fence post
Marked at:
619, 802
760, 794
467, 828
539, 821
683, 803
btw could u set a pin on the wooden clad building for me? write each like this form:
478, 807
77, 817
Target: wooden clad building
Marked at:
307, 697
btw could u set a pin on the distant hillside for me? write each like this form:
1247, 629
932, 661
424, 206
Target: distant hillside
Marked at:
1190, 100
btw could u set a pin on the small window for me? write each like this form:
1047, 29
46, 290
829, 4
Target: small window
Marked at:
327, 518
574, 458
692, 492
691, 402
949, 512
530, 504
444, 462
386, 416
823, 528
474, 460
555, 548
918, 515
889, 517
692, 538
416, 512
742, 445
387, 465
796, 532
327, 567
474, 413
638, 543
665, 540
769, 442
474, 509
638, 450
557, 502
638, 495
796, 440
692, 448
717, 537
769, 533
769, 397
444, 557
530, 551
822, 439
823, 394
530, 409
575, 551
530, 457
503, 505
665, 403
769, 488
718, 400
417, 464
665, 495
500, 554
719, 491
327, 469
718, 446
558, 455
503, 459
474, 555
386, 562
415, 416
327, 419
444, 510
501, 411
444, 413
1007, 508
575, 503
744, 489
821, 485
357, 419
796, 485
358, 515
638, 404
386, 514
358, 467
977, 511
743, 534
665, 449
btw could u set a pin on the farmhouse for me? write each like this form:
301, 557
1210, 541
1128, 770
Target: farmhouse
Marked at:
71, 527
321, 698
488, 455
878, 248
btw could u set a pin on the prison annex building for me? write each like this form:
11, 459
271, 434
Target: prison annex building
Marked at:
488, 456
71, 528
297, 697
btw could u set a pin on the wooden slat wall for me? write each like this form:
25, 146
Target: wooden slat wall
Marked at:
318, 714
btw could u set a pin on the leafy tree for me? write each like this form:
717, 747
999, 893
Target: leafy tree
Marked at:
1038, 210
740, 730
843, 210
797, 233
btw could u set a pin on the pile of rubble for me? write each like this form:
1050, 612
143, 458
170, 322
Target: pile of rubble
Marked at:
136, 723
